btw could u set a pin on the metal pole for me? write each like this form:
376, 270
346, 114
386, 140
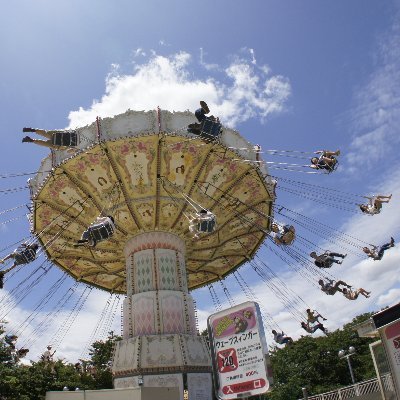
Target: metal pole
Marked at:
378, 374
351, 369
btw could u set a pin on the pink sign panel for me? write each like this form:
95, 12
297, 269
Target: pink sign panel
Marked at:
238, 343
391, 337
235, 322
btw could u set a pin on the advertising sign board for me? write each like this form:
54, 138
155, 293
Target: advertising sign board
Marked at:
238, 349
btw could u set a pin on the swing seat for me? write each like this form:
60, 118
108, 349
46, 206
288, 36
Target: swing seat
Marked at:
206, 226
65, 138
286, 239
102, 231
210, 129
203, 223
285, 235
331, 168
25, 256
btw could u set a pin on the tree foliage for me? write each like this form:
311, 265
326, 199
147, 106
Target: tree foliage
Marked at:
31, 382
314, 363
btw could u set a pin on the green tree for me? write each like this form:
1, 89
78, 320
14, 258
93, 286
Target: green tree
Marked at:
31, 382
100, 359
9, 382
310, 362
314, 363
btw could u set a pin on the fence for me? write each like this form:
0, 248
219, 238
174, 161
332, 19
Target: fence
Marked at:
358, 389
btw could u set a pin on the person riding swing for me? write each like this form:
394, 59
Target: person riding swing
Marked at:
56, 139
311, 329
331, 287
326, 161
202, 222
376, 253
351, 294
326, 259
374, 205
102, 229
209, 128
281, 338
284, 234
313, 316
23, 254
47, 356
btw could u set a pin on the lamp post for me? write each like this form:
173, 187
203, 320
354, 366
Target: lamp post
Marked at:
347, 354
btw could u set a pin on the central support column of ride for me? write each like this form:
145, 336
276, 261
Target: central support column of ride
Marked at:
160, 343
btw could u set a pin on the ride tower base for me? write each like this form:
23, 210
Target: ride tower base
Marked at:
161, 346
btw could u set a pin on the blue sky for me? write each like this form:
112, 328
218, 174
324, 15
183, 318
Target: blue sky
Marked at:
287, 74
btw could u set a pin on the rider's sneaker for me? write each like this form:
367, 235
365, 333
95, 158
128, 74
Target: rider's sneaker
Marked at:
204, 106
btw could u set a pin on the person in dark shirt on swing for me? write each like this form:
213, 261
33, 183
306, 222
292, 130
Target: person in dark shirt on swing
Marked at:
376, 253
56, 139
213, 128
327, 160
24, 254
312, 328
102, 229
331, 287
326, 259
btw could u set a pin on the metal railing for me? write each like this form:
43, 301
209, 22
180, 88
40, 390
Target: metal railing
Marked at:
359, 389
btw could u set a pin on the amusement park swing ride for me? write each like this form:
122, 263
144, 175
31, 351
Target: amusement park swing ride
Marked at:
149, 206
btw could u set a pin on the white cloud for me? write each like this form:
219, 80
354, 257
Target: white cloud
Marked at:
376, 114
389, 298
253, 56
79, 332
207, 66
245, 92
139, 52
